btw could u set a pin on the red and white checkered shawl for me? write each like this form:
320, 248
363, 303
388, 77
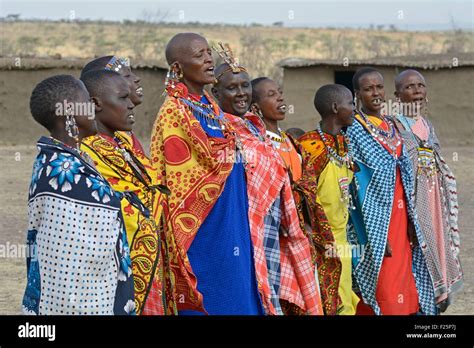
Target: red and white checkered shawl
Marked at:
266, 179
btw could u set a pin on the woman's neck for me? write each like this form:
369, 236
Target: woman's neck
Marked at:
194, 88
101, 129
376, 113
330, 128
62, 136
272, 126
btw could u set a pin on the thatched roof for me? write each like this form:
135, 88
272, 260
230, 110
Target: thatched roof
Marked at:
15, 63
429, 61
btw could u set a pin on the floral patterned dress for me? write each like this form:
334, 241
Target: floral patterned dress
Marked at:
78, 259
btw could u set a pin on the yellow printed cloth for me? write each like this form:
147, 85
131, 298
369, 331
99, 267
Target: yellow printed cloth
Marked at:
195, 167
333, 183
129, 170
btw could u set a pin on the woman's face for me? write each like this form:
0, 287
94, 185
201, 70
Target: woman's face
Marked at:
270, 100
371, 92
116, 112
196, 63
136, 90
412, 89
234, 93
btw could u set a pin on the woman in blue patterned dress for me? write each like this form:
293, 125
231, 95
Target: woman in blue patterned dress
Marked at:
391, 272
78, 260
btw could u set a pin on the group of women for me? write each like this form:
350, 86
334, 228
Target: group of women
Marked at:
228, 214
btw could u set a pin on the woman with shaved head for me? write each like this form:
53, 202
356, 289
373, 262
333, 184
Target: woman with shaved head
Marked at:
435, 188
198, 158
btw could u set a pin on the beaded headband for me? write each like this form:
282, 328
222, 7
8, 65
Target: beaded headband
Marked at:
225, 53
117, 63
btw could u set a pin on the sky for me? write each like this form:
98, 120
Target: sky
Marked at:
403, 14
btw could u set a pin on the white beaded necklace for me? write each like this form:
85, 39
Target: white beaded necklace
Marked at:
339, 160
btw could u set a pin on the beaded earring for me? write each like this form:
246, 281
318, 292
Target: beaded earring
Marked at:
172, 78
71, 127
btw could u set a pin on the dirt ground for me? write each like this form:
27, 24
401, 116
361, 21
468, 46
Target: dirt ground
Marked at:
15, 171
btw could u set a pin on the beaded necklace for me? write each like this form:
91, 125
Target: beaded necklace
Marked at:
339, 160
253, 129
391, 138
138, 170
206, 111
280, 139
425, 154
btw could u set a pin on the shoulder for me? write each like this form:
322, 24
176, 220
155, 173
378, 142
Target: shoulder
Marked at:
97, 144
256, 121
357, 126
232, 118
312, 143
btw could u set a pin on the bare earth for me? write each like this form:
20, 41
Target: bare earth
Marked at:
15, 171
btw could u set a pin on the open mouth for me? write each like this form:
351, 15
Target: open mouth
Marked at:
139, 91
210, 70
242, 103
131, 117
282, 108
377, 101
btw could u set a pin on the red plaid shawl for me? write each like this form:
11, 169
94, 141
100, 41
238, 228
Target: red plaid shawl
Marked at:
266, 179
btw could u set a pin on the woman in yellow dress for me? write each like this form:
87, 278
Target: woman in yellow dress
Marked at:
330, 169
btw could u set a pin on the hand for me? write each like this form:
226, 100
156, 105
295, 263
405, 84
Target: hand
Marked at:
412, 235
283, 231
388, 250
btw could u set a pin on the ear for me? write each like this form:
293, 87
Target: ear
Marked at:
97, 103
176, 67
334, 108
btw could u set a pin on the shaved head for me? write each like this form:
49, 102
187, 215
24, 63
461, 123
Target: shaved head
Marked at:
327, 95
220, 69
179, 44
400, 78
100, 82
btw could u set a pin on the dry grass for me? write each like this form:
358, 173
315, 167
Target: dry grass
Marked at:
259, 48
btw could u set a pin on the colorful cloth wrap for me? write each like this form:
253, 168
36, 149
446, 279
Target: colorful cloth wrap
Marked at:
267, 179
328, 263
78, 260
190, 164
436, 202
128, 169
373, 190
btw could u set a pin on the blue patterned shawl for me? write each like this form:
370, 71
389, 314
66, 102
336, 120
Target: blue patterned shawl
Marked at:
373, 189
